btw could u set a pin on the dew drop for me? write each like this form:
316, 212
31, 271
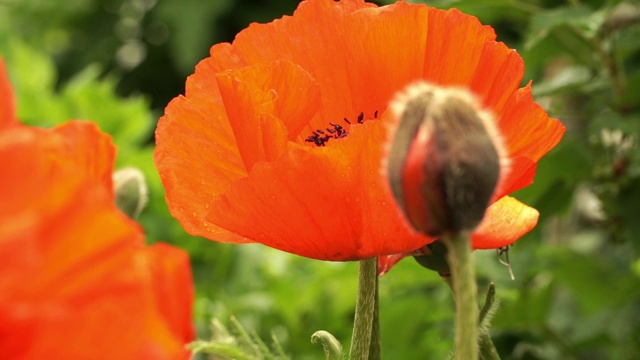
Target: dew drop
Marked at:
194, 214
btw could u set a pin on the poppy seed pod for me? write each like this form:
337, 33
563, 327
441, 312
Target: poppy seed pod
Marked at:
445, 159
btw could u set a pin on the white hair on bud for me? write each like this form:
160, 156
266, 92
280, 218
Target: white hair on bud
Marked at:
130, 187
440, 94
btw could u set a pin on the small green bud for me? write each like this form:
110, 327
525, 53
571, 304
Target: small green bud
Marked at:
130, 190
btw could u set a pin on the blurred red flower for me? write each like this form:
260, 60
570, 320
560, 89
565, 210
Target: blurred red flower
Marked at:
76, 280
280, 136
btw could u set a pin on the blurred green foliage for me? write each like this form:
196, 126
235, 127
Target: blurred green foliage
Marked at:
576, 293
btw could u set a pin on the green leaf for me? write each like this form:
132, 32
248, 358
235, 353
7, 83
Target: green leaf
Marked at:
528, 309
86, 96
557, 175
591, 280
570, 78
579, 17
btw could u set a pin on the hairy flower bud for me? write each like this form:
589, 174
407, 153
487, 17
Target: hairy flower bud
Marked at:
131, 193
445, 159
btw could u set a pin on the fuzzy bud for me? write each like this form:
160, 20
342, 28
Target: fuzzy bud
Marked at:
130, 190
445, 158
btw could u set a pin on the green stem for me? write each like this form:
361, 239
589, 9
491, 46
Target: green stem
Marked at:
465, 292
487, 349
365, 305
375, 351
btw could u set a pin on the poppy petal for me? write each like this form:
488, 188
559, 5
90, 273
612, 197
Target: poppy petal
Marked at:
50, 187
324, 58
467, 55
169, 269
91, 149
194, 138
498, 75
7, 105
386, 51
70, 284
386, 262
81, 143
285, 205
529, 134
506, 221
267, 105
452, 56
224, 57
532, 133
521, 173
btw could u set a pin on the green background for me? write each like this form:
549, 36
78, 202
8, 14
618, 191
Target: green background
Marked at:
576, 294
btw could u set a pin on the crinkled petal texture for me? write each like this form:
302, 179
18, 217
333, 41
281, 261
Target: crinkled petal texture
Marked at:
232, 153
76, 281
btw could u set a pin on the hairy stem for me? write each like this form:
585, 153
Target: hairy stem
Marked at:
375, 351
465, 292
365, 305
487, 349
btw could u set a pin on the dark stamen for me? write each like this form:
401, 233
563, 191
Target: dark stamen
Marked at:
320, 137
340, 131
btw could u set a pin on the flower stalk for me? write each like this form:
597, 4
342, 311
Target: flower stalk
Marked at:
465, 290
375, 348
365, 310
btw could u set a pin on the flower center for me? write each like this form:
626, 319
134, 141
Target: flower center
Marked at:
320, 137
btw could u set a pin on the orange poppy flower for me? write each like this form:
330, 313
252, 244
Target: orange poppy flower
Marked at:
280, 136
76, 281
